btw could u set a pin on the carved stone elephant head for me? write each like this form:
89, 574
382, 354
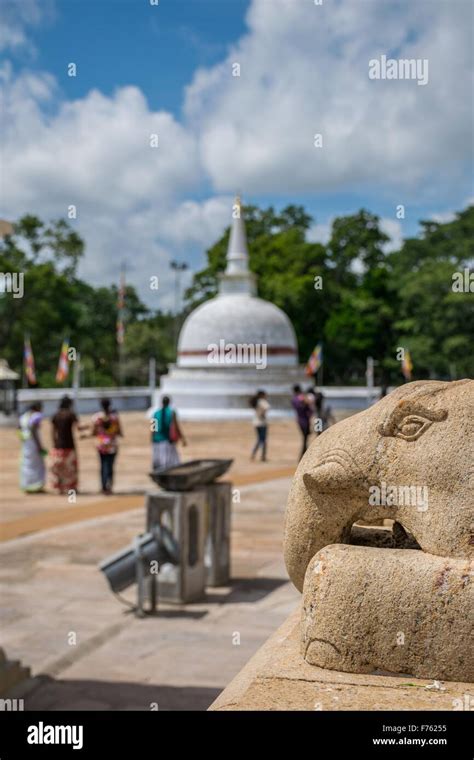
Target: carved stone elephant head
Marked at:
421, 435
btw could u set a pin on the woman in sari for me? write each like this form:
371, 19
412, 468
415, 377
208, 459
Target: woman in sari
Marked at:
166, 432
63, 455
32, 467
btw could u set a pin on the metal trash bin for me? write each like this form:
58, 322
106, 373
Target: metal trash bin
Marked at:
218, 518
184, 514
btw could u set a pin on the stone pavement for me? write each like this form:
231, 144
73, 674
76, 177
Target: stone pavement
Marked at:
59, 617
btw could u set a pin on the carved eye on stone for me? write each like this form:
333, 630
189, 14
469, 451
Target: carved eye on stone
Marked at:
411, 427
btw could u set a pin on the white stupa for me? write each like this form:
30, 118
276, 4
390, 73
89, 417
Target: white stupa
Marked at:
233, 345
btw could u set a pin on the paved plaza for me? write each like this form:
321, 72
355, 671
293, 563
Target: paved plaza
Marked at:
53, 594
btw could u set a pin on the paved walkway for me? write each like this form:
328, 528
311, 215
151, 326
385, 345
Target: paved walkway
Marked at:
59, 617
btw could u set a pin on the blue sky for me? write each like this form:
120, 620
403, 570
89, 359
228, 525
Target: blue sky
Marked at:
122, 42
167, 70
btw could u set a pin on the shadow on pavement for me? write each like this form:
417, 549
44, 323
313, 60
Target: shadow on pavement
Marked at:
53, 694
245, 590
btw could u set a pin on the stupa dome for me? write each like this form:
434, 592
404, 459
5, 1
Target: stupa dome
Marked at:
240, 319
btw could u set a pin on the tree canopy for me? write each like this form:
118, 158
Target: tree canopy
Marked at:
56, 304
368, 302
350, 294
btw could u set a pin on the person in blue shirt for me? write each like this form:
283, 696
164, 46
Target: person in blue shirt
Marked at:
165, 434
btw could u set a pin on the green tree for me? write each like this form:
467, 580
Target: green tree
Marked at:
57, 304
433, 321
360, 323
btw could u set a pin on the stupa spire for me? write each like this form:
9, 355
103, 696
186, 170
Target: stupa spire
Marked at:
237, 278
237, 251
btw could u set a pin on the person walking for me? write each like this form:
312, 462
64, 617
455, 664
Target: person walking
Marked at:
311, 394
324, 412
32, 466
303, 415
64, 468
166, 433
106, 428
261, 406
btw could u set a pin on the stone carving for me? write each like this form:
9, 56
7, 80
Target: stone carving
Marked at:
409, 458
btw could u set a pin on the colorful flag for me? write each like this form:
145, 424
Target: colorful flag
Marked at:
120, 310
63, 366
29, 362
315, 360
407, 365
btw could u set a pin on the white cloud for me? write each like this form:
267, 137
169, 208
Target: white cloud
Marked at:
95, 150
304, 70
197, 223
444, 217
16, 16
392, 228
320, 233
94, 153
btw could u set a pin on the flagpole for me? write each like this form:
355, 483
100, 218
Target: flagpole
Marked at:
120, 334
23, 369
320, 372
120, 364
76, 378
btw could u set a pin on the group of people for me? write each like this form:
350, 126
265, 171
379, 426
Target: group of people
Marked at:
312, 415
105, 427
309, 406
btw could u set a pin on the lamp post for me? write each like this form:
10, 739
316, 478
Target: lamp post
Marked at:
178, 267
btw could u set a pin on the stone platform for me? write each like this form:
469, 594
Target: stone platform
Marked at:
277, 678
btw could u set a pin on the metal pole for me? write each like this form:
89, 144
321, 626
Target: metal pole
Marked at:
120, 365
76, 378
177, 267
152, 374
176, 304
121, 317
370, 379
140, 578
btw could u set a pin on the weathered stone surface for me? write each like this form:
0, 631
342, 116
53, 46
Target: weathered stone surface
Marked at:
278, 678
401, 611
421, 435
409, 458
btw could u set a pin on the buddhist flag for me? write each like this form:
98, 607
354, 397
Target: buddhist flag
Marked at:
407, 365
315, 360
63, 366
29, 362
120, 310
